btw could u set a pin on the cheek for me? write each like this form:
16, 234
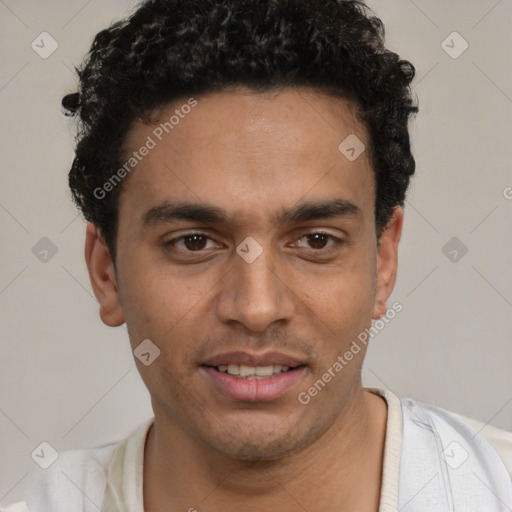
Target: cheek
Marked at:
146, 304
164, 305
347, 306
343, 296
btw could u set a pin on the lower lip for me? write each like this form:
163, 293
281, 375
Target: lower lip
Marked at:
254, 390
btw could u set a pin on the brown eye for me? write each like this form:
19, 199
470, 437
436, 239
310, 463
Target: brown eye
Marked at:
192, 242
317, 240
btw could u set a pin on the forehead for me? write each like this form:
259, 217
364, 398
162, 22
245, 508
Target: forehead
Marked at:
243, 150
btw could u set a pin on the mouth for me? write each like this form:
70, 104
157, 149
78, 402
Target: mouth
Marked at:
240, 371
252, 378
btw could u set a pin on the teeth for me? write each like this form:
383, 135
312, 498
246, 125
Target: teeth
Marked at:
246, 371
252, 372
267, 371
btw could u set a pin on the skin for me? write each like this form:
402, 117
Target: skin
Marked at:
253, 155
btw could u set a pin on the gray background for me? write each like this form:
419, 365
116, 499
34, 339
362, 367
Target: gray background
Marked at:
67, 379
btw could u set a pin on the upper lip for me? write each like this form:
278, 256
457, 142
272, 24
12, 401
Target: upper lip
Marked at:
248, 359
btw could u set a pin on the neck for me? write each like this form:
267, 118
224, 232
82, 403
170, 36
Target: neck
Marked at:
341, 470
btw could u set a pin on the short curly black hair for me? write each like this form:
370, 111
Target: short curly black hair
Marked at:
176, 48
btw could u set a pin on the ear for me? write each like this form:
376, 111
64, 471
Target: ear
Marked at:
387, 261
102, 276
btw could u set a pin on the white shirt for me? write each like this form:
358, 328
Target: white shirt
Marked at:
434, 461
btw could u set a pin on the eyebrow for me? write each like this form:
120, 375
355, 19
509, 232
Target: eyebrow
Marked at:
171, 211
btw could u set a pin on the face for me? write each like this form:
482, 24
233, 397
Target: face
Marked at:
247, 240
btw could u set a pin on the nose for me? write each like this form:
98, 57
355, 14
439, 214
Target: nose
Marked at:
255, 294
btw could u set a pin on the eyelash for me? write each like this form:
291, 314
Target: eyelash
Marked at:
170, 244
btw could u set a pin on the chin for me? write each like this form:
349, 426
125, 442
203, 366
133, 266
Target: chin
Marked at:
251, 450
263, 444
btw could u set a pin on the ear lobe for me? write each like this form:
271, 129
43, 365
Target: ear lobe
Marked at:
387, 261
102, 276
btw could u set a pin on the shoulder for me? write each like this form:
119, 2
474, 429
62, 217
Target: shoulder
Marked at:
501, 440
75, 481
473, 432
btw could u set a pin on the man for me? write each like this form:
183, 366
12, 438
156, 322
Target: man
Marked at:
243, 167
